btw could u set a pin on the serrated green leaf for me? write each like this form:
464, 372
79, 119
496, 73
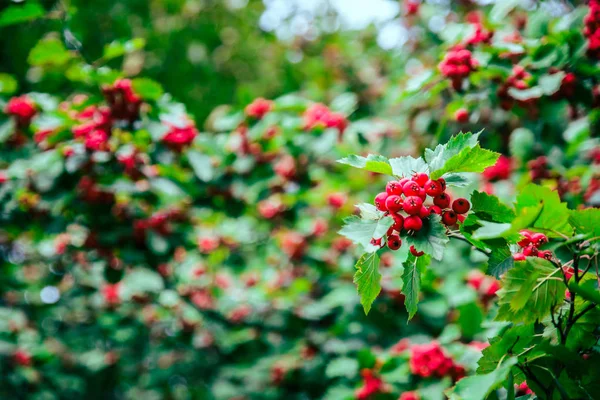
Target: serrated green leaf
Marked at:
147, 88
368, 279
473, 159
369, 211
586, 222
372, 163
361, 231
478, 387
443, 152
554, 216
512, 341
490, 208
411, 278
407, 166
500, 261
431, 239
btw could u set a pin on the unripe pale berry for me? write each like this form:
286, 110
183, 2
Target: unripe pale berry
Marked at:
394, 242
398, 221
412, 205
461, 206
442, 201
380, 201
411, 188
393, 203
393, 188
416, 253
420, 178
433, 188
449, 217
413, 223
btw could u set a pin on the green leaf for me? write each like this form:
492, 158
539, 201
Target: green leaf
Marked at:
500, 261
50, 51
491, 230
521, 143
478, 387
345, 103
361, 231
201, 164
18, 13
431, 239
119, 48
586, 222
550, 83
473, 159
490, 208
368, 279
147, 88
342, 367
554, 216
372, 163
369, 211
411, 278
407, 166
511, 341
8, 84
443, 152
526, 94
530, 290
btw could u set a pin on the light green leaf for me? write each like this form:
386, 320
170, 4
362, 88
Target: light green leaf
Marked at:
369, 211
8, 84
345, 103
490, 208
147, 88
342, 367
407, 166
18, 13
201, 164
368, 279
373, 163
473, 159
361, 231
443, 152
500, 261
550, 83
411, 278
431, 239
586, 222
478, 387
554, 216
50, 51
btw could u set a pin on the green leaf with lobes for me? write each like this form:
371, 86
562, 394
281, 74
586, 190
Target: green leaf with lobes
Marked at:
553, 219
407, 166
479, 387
411, 279
372, 163
474, 159
512, 340
586, 222
431, 239
443, 152
368, 279
490, 208
361, 231
500, 260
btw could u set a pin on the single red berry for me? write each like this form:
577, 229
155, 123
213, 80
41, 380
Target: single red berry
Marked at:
412, 205
435, 210
526, 239
449, 217
422, 194
530, 251
394, 242
442, 182
393, 203
461, 218
442, 201
461, 115
547, 254
413, 223
420, 178
538, 239
461, 206
411, 188
416, 253
380, 201
403, 182
424, 212
393, 187
433, 188
519, 257
390, 231
376, 242
398, 221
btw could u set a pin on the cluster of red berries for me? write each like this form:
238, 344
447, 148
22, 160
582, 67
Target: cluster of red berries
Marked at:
530, 245
430, 359
124, 103
409, 196
480, 35
320, 116
23, 110
259, 108
486, 286
372, 384
180, 136
518, 80
457, 64
592, 29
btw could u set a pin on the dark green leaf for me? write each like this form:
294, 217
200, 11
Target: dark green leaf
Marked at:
413, 267
368, 279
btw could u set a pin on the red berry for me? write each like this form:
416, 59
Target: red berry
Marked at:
376, 242
547, 254
420, 178
433, 188
424, 212
435, 210
530, 251
380, 201
394, 242
461, 115
393, 203
416, 253
519, 257
526, 239
442, 182
442, 201
461, 218
403, 182
461, 206
412, 205
449, 217
393, 187
538, 239
411, 188
413, 223
398, 221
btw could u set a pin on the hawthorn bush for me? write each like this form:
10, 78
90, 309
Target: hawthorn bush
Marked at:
148, 253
